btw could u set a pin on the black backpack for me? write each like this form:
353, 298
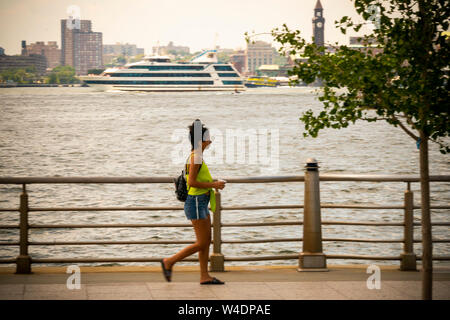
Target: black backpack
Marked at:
181, 190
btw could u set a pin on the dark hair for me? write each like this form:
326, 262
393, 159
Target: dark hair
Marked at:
196, 125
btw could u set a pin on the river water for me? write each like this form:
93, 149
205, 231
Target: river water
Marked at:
81, 132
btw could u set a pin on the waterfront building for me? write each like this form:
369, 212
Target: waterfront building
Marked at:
126, 49
2, 51
358, 40
258, 53
238, 61
171, 49
50, 50
268, 70
23, 61
109, 58
358, 43
81, 48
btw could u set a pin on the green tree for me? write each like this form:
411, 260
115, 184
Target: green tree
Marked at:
63, 75
20, 75
95, 71
404, 83
52, 78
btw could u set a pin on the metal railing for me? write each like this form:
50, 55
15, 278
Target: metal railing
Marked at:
311, 258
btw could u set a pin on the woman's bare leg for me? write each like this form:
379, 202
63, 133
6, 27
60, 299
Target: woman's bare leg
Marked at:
202, 228
203, 233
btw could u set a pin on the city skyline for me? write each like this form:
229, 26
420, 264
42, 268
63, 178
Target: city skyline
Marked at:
198, 24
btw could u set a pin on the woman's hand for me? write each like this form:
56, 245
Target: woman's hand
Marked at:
220, 184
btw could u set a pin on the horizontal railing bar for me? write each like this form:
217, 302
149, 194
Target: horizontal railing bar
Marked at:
264, 240
363, 223
343, 256
324, 206
441, 258
82, 243
8, 209
325, 239
63, 226
351, 206
260, 179
294, 206
434, 240
323, 222
12, 260
364, 240
381, 178
330, 206
262, 258
361, 257
434, 224
332, 240
433, 207
69, 180
93, 260
106, 209
50, 243
261, 224
177, 225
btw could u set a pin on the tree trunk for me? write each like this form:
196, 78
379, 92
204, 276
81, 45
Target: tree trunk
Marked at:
427, 244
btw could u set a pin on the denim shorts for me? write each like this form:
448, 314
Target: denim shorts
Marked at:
196, 207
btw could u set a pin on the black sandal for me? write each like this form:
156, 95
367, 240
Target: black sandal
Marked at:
213, 281
167, 272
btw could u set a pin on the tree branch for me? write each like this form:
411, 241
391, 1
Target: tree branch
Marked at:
412, 135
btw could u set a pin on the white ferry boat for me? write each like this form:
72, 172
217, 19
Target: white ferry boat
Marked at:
158, 73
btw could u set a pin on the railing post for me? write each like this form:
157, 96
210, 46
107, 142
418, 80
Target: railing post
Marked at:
312, 257
23, 262
408, 257
217, 258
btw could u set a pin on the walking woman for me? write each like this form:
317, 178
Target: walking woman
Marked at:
200, 192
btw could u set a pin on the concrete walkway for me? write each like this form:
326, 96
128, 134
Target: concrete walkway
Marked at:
242, 283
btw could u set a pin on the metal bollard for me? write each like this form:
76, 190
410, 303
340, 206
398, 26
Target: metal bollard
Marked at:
312, 257
23, 262
408, 257
217, 258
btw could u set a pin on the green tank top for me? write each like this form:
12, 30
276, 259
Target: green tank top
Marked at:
203, 176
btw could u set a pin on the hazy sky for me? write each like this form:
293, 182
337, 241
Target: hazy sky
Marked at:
192, 23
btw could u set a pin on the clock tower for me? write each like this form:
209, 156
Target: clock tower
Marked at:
318, 25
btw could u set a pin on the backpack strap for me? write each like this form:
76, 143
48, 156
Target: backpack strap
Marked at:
186, 165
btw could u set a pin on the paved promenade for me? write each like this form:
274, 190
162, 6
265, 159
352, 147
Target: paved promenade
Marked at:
242, 283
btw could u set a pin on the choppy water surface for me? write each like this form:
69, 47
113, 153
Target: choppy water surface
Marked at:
80, 132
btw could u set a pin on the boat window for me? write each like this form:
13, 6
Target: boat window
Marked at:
223, 68
173, 67
198, 82
231, 82
162, 75
228, 75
